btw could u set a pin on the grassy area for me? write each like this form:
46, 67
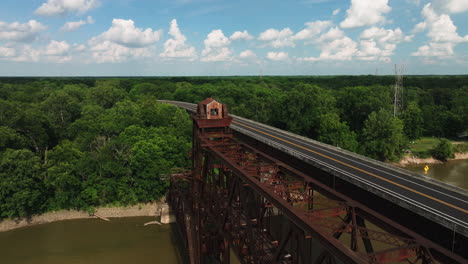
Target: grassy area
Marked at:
422, 147
424, 144
461, 147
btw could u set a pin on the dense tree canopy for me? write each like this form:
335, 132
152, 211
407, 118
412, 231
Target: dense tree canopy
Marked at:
83, 142
382, 136
77, 146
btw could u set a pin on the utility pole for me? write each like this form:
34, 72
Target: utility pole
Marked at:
398, 90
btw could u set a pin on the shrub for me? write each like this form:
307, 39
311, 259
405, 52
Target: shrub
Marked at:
444, 150
463, 147
423, 154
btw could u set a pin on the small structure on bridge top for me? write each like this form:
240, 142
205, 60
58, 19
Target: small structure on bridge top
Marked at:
212, 115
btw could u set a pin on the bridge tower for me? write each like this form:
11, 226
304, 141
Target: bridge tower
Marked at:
210, 127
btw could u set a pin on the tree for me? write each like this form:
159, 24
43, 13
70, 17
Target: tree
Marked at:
10, 139
299, 110
106, 93
162, 90
444, 150
63, 180
333, 131
356, 103
33, 125
382, 136
21, 186
121, 115
85, 129
412, 118
61, 110
154, 151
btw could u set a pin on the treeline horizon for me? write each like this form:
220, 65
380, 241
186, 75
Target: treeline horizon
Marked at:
81, 142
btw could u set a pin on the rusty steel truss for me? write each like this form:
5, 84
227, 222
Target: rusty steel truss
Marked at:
239, 200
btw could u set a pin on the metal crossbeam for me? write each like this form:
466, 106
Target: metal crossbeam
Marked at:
265, 211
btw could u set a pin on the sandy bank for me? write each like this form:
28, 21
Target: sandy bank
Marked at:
149, 209
413, 160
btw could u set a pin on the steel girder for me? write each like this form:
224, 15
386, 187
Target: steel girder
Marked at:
242, 200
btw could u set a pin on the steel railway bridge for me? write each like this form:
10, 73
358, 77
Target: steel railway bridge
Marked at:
270, 196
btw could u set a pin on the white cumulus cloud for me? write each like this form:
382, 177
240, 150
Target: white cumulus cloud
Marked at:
338, 49
278, 38
124, 32
247, 54
435, 49
451, 6
440, 27
176, 47
75, 25
385, 35
419, 27
238, 35
6, 52
110, 52
26, 53
216, 39
379, 43
121, 42
18, 32
312, 30
55, 52
334, 45
57, 48
63, 7
331, 35
442, 33
277, 56
72, 25
79, 47
365, 13
216, 47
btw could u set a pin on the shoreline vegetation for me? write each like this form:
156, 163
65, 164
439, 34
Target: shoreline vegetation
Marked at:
153, 208
411, 159
141, 209
426, 150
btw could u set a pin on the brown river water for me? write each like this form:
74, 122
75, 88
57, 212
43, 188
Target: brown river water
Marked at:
125, 240
454, 172
122, 240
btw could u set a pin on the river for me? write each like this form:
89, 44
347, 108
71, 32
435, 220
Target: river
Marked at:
454, 172
123, 240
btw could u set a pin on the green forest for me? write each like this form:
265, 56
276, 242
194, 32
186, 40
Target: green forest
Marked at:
77, 143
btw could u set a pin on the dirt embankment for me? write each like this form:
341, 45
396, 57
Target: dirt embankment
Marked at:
149, 209
412, 160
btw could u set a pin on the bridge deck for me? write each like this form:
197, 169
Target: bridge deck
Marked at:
434, 200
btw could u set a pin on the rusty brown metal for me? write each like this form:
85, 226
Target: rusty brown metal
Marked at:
265, 211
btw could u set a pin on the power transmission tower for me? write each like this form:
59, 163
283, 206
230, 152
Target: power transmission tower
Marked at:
398, 90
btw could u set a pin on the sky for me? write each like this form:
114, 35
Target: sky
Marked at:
225, 37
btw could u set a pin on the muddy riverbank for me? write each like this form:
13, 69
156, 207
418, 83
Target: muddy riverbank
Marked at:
148, 209
409, 159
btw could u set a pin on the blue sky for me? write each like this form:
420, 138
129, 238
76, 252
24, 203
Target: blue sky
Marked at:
222, 37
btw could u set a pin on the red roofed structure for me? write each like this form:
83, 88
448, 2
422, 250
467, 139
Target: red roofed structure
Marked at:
211, 113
